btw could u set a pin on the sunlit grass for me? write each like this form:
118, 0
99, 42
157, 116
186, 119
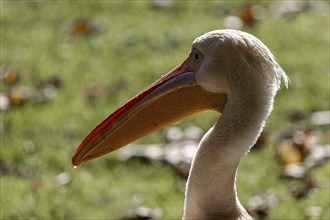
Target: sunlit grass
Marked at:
138, 44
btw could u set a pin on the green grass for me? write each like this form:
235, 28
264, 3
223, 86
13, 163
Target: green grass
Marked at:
139, 44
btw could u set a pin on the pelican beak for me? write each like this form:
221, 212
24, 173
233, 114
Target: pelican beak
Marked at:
173, 97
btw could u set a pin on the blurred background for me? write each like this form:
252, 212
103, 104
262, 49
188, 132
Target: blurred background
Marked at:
66, 65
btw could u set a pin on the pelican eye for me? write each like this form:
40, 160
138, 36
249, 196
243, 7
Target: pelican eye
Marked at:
196, 56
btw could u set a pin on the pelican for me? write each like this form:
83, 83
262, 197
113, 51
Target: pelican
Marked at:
228, 71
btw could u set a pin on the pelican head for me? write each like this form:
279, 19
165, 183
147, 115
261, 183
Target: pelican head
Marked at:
218, 60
